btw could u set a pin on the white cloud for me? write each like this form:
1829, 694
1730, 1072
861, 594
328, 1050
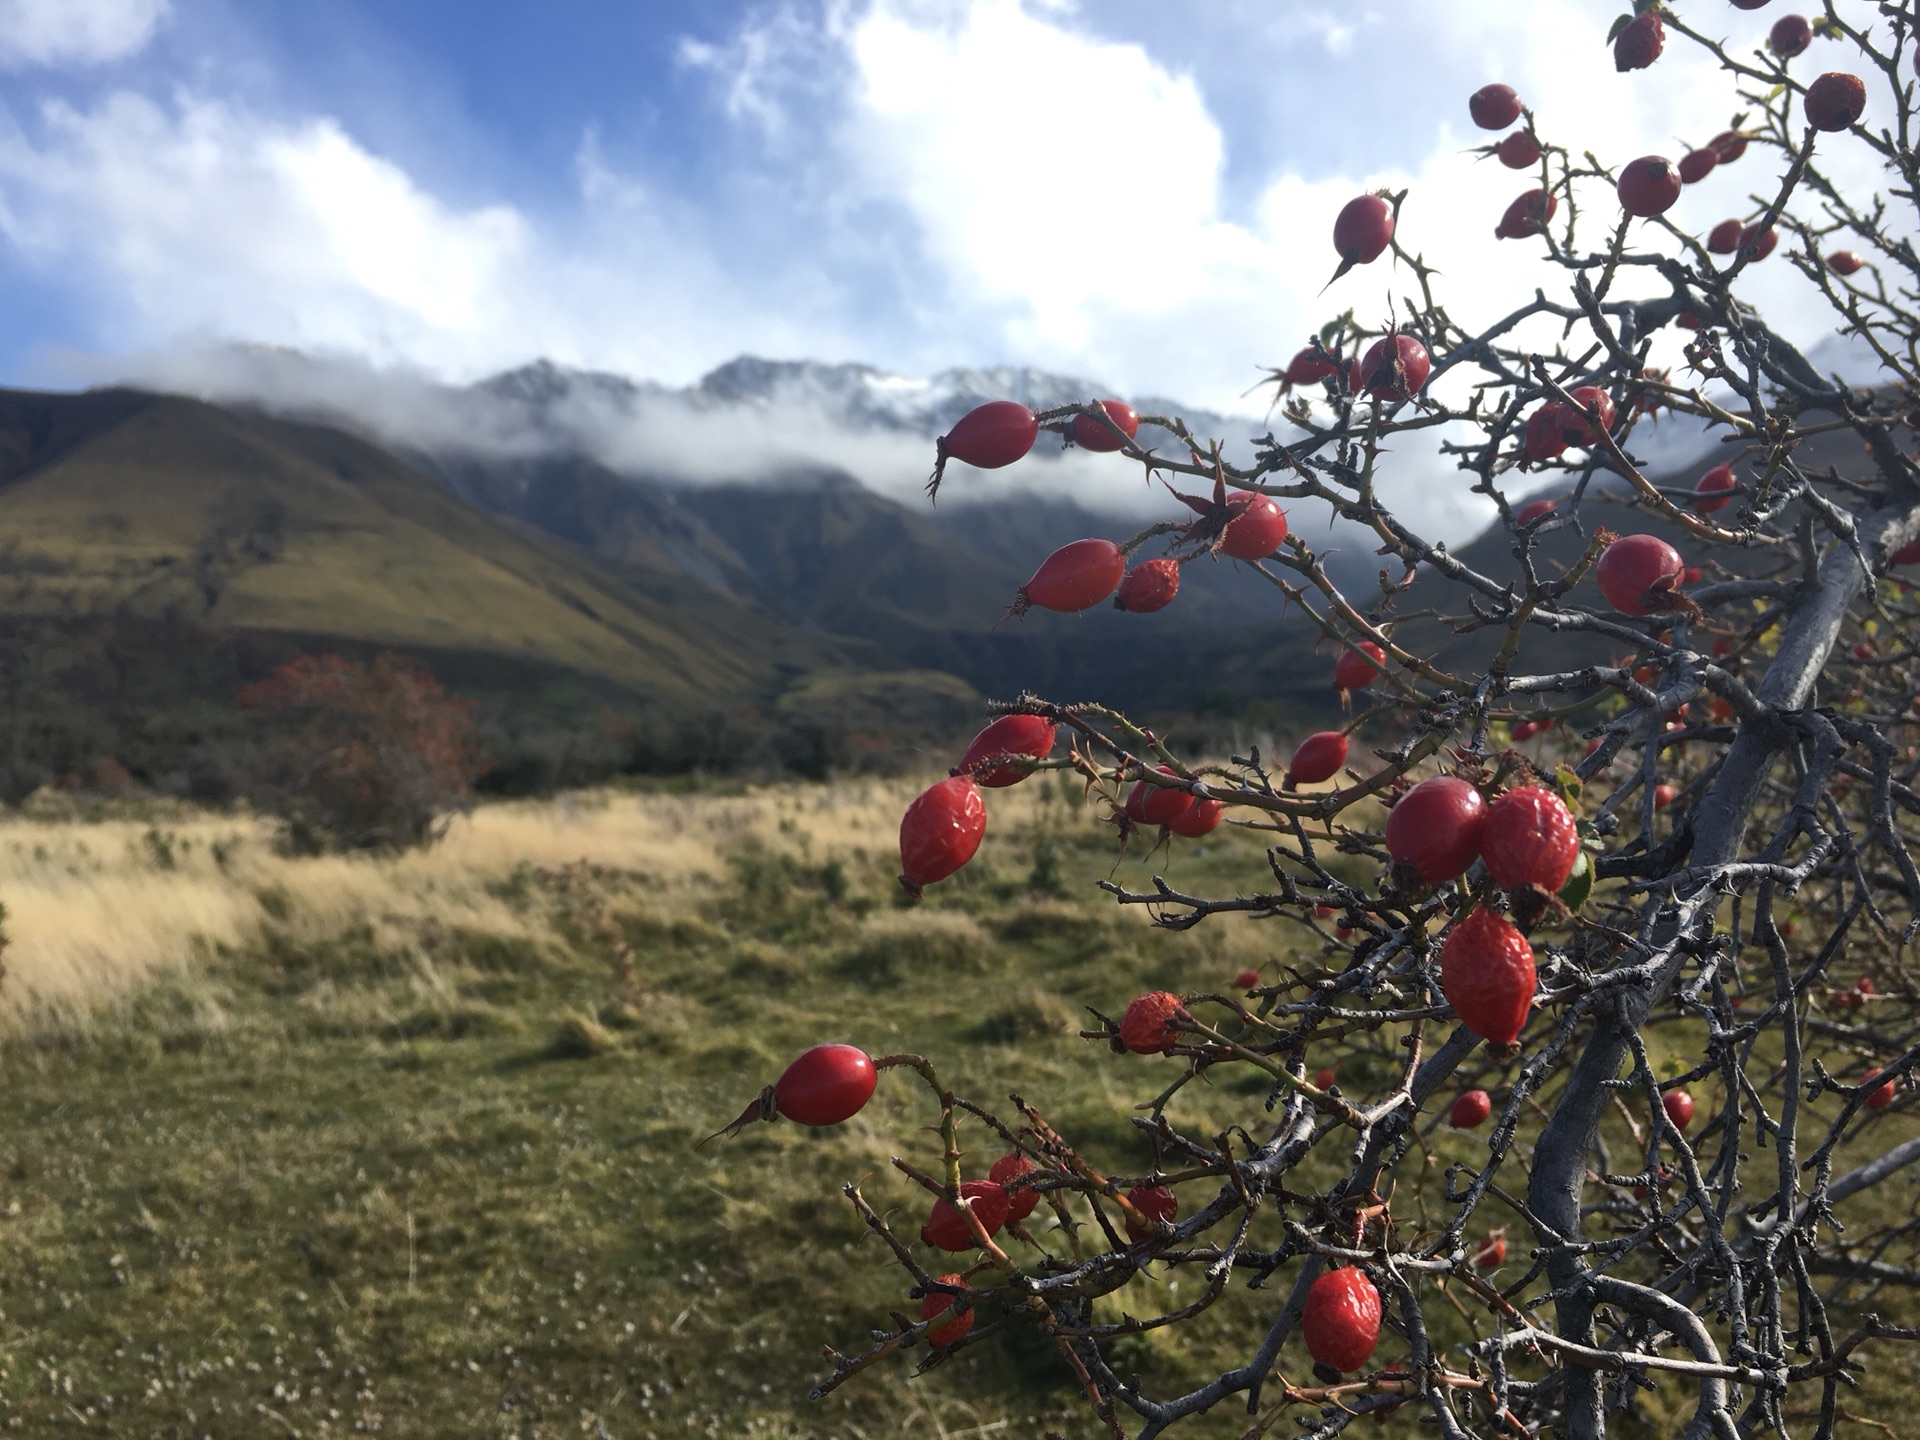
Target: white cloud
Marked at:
76, 32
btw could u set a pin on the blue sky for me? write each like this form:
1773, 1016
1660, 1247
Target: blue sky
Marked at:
1130, 190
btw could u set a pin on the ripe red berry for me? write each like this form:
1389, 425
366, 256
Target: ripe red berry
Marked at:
1519, 151
1835, 100
1155, 1203
1492, 1253
1470, 1110
1530, 839
1844, 262
1156, 804
1547, 432
1696, 165
991, 435
1319, 757
1637, 574
1865, 986
1007, 1169
1395, 368
1648, 186
1256, 530
1757, 244
1790, 35
1687, 320
825, 1085
1309, 368
1639, 43
1341, 1319
1580, 431
1487, 974
947, 1228
1534, 510
1907, 554
1009, 735
1362, 231
1357, 668
1749, 4
1091, 434
1524, 730
1663, 794
1724, 238
1202, 817
1880, 1098
1074, 577
938, 1302
1679, 1107
1149, 586
1325, 1078
1494, 107
940, 832
1526, 215
1147, 1027
1247, 980
1435, 828
1715, 490
1730, 145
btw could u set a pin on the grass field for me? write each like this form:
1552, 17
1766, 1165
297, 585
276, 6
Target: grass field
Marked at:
336, 1146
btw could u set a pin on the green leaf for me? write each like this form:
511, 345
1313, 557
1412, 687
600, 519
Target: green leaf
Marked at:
1579, 885
1618, 25
1569, 786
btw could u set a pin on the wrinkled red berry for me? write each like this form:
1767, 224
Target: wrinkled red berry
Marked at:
938, 1302
1435, 828
1155, 1203
940, 832
1395, 368
1835, 101
1009, 735
1579, 430
1319, 757
947, 1228
1007, 1169
1494, 107
1715, 490
1258, 527
1470, 1110
1679, 1107
1149, 586
825, 1085
1357, 668
1526, 215
1790, 35
1363, 230
1648, 186
1639, 43
1487, 975
1341, 1319
1638, 573
1074, 577
1530, 838
1095, 435
1147, 1026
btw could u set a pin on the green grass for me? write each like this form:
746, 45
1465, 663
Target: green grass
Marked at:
443, 1182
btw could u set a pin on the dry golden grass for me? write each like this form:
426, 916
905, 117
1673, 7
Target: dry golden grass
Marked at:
95, 908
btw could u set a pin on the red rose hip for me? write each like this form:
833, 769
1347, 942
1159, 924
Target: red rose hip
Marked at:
1148, 586
1359, 667
1004, 1172
1679, 1107
1395, 368
1648, 186
1696, 165
1156, 804
825, 1085
1155, 1204
1074, 577
1096, 435
1009, 735
1638, 573
991, 436
1202, 817
1435, 828
1844, 262
1835, 101
1715, 490
1147, 1026
1724, 238
1255, 532
1880, 1098
1790, 35
1470, 1110
1341, 1319
947, 1228
1757, 244
1519, 151
1639, 43
1487, 975
940, 832
938, 1302
1318, 758
1309, 368
1526, 215
1362, 231
1530, 839
1494, 107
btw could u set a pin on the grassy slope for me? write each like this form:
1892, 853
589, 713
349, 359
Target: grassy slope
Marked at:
339, 1175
